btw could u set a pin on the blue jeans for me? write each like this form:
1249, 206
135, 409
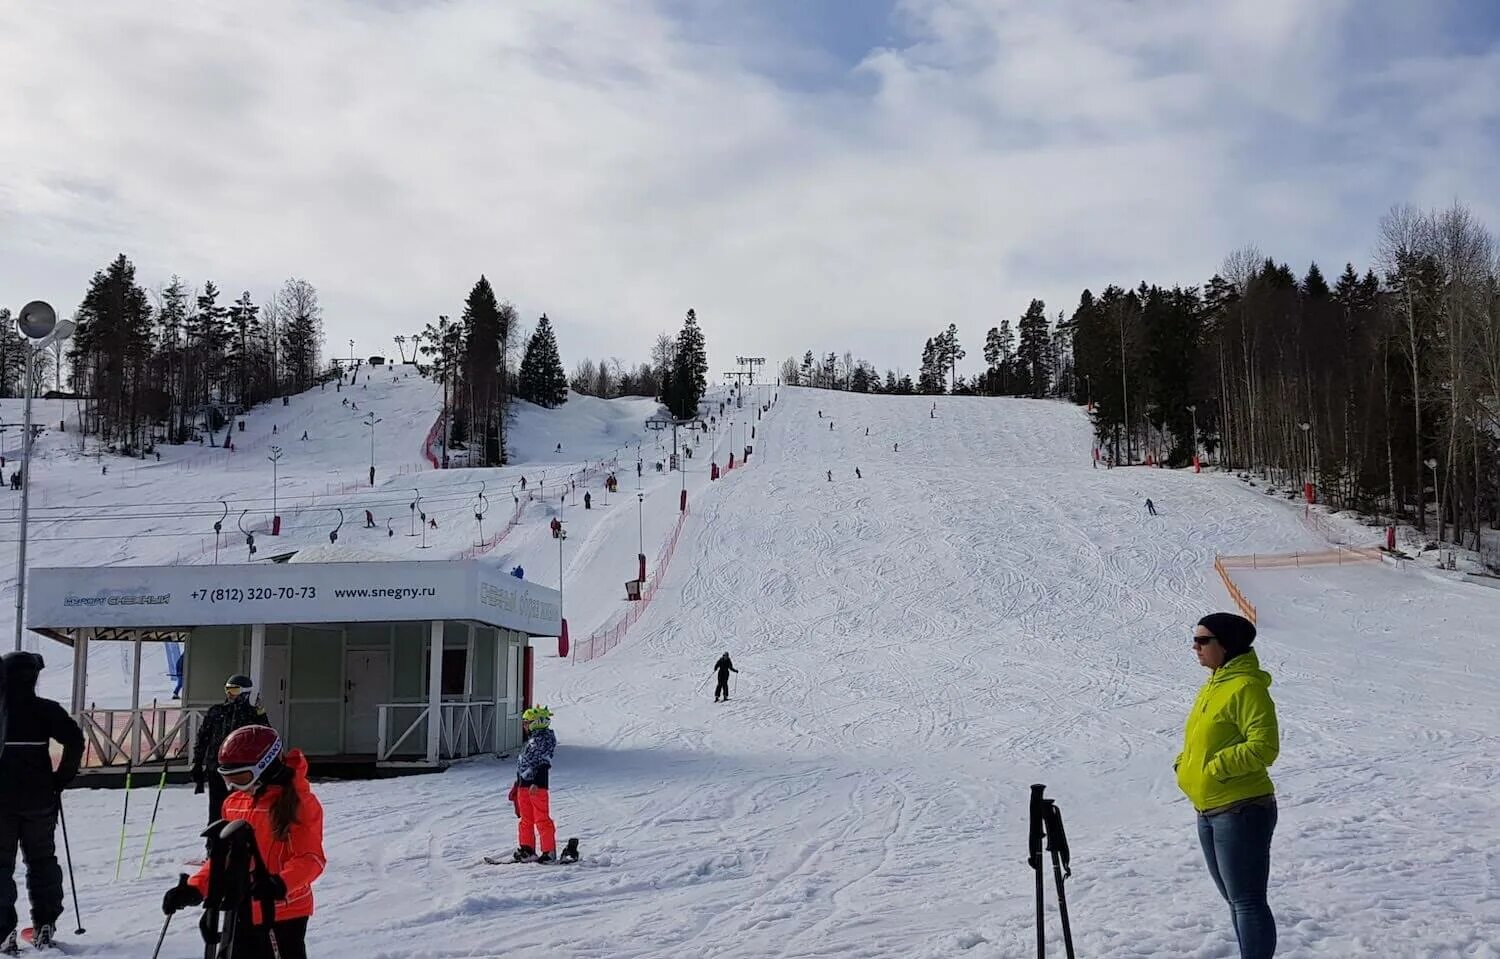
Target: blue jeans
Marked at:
1237, 847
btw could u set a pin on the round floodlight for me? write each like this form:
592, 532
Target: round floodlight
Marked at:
64, 329
36, 320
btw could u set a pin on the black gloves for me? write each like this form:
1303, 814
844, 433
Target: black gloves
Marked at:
180, 896
270, 886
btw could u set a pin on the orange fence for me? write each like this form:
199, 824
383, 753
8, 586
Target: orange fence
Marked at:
1328, 557
1246, 609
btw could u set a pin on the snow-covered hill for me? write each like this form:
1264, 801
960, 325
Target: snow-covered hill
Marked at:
981, 611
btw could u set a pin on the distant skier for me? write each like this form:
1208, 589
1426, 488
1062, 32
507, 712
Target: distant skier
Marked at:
432, 523
369, 520
723, 667
104, 471
895, 447
222, 719
523, 484
830, 426
304, 434
858, 474
867, 431
29, 791
1150, 507
518, 572
820, 414
830, 476
345, 401
588, 501
536, 834
559, 448
273, 429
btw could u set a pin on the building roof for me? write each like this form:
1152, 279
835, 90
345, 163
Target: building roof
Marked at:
163, 599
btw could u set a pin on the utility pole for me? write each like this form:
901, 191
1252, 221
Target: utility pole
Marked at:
370, 420
275, 457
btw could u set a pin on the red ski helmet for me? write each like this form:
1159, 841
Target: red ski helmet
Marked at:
246, 755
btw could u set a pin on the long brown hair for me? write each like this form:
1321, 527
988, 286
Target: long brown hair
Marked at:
286, 805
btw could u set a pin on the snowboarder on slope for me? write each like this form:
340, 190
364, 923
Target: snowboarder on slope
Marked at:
273, 795
830, 476
29, 796
723, 667
1150, 507
219, 722
536, 833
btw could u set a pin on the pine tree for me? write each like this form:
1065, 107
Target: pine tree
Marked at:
552, 382
486, 325
112, 349
930, 376
1032, 353
689, 370
243, 327
952, 352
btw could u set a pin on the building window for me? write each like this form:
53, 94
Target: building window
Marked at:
455, 668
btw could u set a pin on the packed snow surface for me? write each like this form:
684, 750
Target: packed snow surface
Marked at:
980, 612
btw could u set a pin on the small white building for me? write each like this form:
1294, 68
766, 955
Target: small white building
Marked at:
385, 663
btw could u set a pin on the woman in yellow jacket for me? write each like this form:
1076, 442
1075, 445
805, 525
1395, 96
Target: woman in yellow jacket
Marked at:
1229, 742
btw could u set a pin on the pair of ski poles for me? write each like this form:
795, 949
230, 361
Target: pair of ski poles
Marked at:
161, 784
1046, 820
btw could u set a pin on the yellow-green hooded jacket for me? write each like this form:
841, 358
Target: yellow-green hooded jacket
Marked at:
1231, 737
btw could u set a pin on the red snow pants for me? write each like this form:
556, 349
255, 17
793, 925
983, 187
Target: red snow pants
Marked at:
536, 822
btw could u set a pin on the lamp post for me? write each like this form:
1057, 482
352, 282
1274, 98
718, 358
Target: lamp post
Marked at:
38, 323
1306, 429
640, 516
275, 457
1437, 494
562, 534
1193, 409
370, 420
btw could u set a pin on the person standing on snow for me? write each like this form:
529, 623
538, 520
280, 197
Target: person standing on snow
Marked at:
1150, 507
858, 474
273, 795
219, 722
1229, 742
536, 834
30, 796
723, 667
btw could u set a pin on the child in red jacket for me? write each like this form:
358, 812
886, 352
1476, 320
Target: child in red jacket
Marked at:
273, 795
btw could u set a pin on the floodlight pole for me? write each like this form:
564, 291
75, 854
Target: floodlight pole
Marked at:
25, 497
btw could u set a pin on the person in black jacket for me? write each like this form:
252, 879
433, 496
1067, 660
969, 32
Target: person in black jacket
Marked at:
723, 667
235, 711
29, 791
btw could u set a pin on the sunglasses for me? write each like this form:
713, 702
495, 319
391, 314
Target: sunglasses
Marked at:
1203, 640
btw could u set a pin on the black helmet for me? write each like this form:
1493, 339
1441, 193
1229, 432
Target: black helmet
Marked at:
240, 680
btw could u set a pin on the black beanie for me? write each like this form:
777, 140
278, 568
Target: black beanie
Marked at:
1235, 633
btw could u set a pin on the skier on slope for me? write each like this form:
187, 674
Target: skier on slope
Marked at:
723, 667
219, 722
536, 834
30, 796
1150, 506
273, 795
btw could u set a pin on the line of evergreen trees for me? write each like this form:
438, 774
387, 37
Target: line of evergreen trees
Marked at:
174, 364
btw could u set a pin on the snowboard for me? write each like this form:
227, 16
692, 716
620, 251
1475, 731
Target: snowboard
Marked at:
567, 857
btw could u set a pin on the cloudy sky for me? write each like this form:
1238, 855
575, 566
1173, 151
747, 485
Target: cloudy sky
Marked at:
843, 174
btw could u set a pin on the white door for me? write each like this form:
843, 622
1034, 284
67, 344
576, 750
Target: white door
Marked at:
273, 688
366, 686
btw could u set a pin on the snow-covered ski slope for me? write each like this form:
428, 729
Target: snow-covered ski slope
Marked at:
980, 612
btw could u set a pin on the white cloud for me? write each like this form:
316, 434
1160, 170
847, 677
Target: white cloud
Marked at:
600, 165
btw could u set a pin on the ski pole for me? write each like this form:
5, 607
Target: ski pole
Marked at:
68, 851
182, 878
124, 818
1034, 860
151, 830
